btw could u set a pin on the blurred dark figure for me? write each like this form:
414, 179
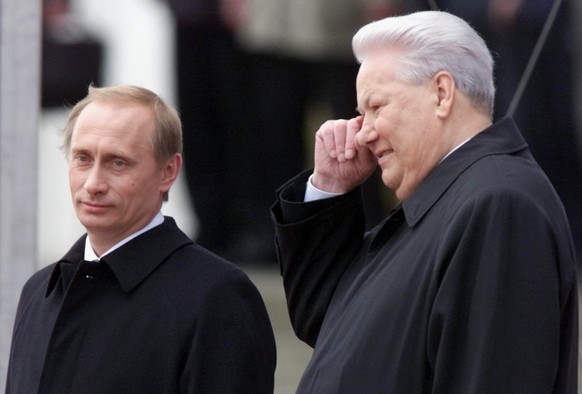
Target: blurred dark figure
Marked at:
545, 112
214, 106
71, 57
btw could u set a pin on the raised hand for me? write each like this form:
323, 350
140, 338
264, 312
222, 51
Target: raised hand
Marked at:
341, 163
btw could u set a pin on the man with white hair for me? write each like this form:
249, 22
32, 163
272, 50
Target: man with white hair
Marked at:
469, 285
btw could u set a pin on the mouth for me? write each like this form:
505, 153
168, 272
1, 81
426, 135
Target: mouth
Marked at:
384, 153
94, 207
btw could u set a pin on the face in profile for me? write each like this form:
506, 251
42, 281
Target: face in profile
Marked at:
400, 125
116, 183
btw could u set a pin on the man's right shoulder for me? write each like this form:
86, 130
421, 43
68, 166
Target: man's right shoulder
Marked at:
40, 277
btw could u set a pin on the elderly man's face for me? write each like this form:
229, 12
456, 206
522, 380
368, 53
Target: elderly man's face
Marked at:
400, 124
115, 181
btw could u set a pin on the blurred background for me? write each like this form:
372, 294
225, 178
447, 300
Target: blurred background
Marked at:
253, 79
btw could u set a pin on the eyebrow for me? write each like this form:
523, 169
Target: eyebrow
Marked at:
107, 156
73, 151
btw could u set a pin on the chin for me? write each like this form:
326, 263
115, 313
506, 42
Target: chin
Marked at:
389, 183
92, 222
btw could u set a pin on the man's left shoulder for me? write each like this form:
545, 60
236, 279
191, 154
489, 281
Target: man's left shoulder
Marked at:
201, 265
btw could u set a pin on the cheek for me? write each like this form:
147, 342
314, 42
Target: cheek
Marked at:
76, 179
384, 126
125, 186
136, 185
391, 121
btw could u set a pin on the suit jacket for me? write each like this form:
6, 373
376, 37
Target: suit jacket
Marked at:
158, 315
469, 286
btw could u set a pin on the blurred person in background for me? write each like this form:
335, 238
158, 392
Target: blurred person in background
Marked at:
135, 306
213, 99
546, 112
72, 58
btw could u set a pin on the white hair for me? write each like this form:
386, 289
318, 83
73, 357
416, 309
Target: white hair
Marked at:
433, 41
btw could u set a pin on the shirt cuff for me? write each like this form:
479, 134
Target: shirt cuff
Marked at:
313, 194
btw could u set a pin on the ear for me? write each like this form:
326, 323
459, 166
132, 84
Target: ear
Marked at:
445, 85
170, 171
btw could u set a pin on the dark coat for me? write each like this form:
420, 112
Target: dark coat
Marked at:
469, 286
158, 315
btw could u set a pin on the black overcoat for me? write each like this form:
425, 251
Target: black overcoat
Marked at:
469, 286
158, 315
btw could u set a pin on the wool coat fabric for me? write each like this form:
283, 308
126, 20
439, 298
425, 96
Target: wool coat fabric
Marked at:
158, 315
469, 286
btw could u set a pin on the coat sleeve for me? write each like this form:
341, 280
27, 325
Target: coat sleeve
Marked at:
504, 319
233, 349
316, 242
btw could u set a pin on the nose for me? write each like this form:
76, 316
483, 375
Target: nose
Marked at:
368, 133
96, 182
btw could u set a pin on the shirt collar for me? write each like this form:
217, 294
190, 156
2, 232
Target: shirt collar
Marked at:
454, 149
134, 262
90, 255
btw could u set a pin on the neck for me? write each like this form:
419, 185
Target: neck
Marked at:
101, 242
99, 245
466, 123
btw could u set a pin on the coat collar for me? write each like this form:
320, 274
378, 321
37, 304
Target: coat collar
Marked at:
503, 137
133, 262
